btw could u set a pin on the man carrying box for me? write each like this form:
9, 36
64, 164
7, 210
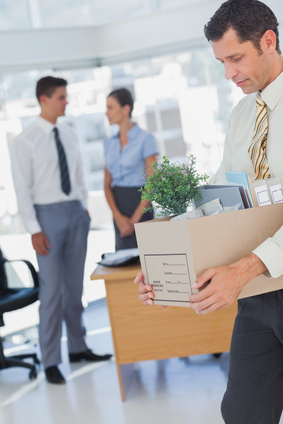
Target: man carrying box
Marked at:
244, 38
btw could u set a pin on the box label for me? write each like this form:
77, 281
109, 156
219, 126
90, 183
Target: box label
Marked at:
276, 193
169, 276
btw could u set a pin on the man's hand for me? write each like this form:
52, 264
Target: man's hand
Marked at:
223, 289
40, 243
145, 291
225, 283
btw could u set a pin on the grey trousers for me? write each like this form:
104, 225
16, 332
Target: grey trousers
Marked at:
61, 271
254, 392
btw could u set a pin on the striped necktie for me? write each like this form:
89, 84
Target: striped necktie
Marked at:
257, 148
63, 165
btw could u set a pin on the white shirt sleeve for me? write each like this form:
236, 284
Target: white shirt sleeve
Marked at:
80, 178
22, 175
219, 177
270, 252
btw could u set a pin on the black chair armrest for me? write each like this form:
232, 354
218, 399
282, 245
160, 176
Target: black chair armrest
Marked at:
33, 271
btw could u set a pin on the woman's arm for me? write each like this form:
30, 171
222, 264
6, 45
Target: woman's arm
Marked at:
124, 223
145, 203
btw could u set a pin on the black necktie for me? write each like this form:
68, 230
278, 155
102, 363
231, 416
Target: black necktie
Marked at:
64, 171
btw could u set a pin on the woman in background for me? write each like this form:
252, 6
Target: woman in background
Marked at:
127, 154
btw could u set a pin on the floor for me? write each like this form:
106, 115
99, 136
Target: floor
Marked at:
179, 390
187, 390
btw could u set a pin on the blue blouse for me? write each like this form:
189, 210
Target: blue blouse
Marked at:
126, 166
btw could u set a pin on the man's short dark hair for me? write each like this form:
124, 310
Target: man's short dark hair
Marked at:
249, 18
47, 85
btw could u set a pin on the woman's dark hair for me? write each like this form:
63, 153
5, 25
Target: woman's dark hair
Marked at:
249, 18
123, 97
47, 85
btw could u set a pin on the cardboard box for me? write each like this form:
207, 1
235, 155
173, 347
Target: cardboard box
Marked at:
172, 254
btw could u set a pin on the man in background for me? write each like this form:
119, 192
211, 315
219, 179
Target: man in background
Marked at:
52, 197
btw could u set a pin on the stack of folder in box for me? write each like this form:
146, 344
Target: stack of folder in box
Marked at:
242, 178
241, 190
261, 192
229, 195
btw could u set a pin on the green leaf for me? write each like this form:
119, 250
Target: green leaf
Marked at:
172, 187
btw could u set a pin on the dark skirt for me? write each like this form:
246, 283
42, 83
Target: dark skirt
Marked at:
127, 200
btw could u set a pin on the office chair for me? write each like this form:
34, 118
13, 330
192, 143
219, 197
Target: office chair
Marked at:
12, 298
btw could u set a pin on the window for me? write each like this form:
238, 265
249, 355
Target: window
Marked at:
13, 15
182, 98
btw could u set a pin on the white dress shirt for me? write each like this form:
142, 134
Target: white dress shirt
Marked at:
36, 173
236, 157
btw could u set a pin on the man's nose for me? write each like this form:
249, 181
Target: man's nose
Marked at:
230, 71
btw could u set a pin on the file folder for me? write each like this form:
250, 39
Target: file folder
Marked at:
242, 178
229, 195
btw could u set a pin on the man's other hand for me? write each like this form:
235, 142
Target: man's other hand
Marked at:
40, 243
145, 291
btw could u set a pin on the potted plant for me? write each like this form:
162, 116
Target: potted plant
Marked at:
172, 187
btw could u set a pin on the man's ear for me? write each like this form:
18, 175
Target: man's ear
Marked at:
42, 100
268, 41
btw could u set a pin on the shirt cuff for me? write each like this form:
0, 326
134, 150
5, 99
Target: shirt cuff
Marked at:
271, 254
84, 203
33, 227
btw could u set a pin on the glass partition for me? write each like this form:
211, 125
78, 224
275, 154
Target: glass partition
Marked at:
182, 98
14, 15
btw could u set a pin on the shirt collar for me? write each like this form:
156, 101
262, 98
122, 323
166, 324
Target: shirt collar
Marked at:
45, 125
132, 134
272, 94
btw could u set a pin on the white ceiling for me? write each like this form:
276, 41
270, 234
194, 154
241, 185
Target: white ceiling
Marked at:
143, 36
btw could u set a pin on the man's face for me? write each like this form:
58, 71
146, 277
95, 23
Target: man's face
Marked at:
244, 64
56, 104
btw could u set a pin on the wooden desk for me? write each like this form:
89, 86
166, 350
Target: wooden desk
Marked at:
144, 333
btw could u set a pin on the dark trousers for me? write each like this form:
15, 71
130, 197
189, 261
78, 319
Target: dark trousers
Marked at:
254, 392
127, 200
